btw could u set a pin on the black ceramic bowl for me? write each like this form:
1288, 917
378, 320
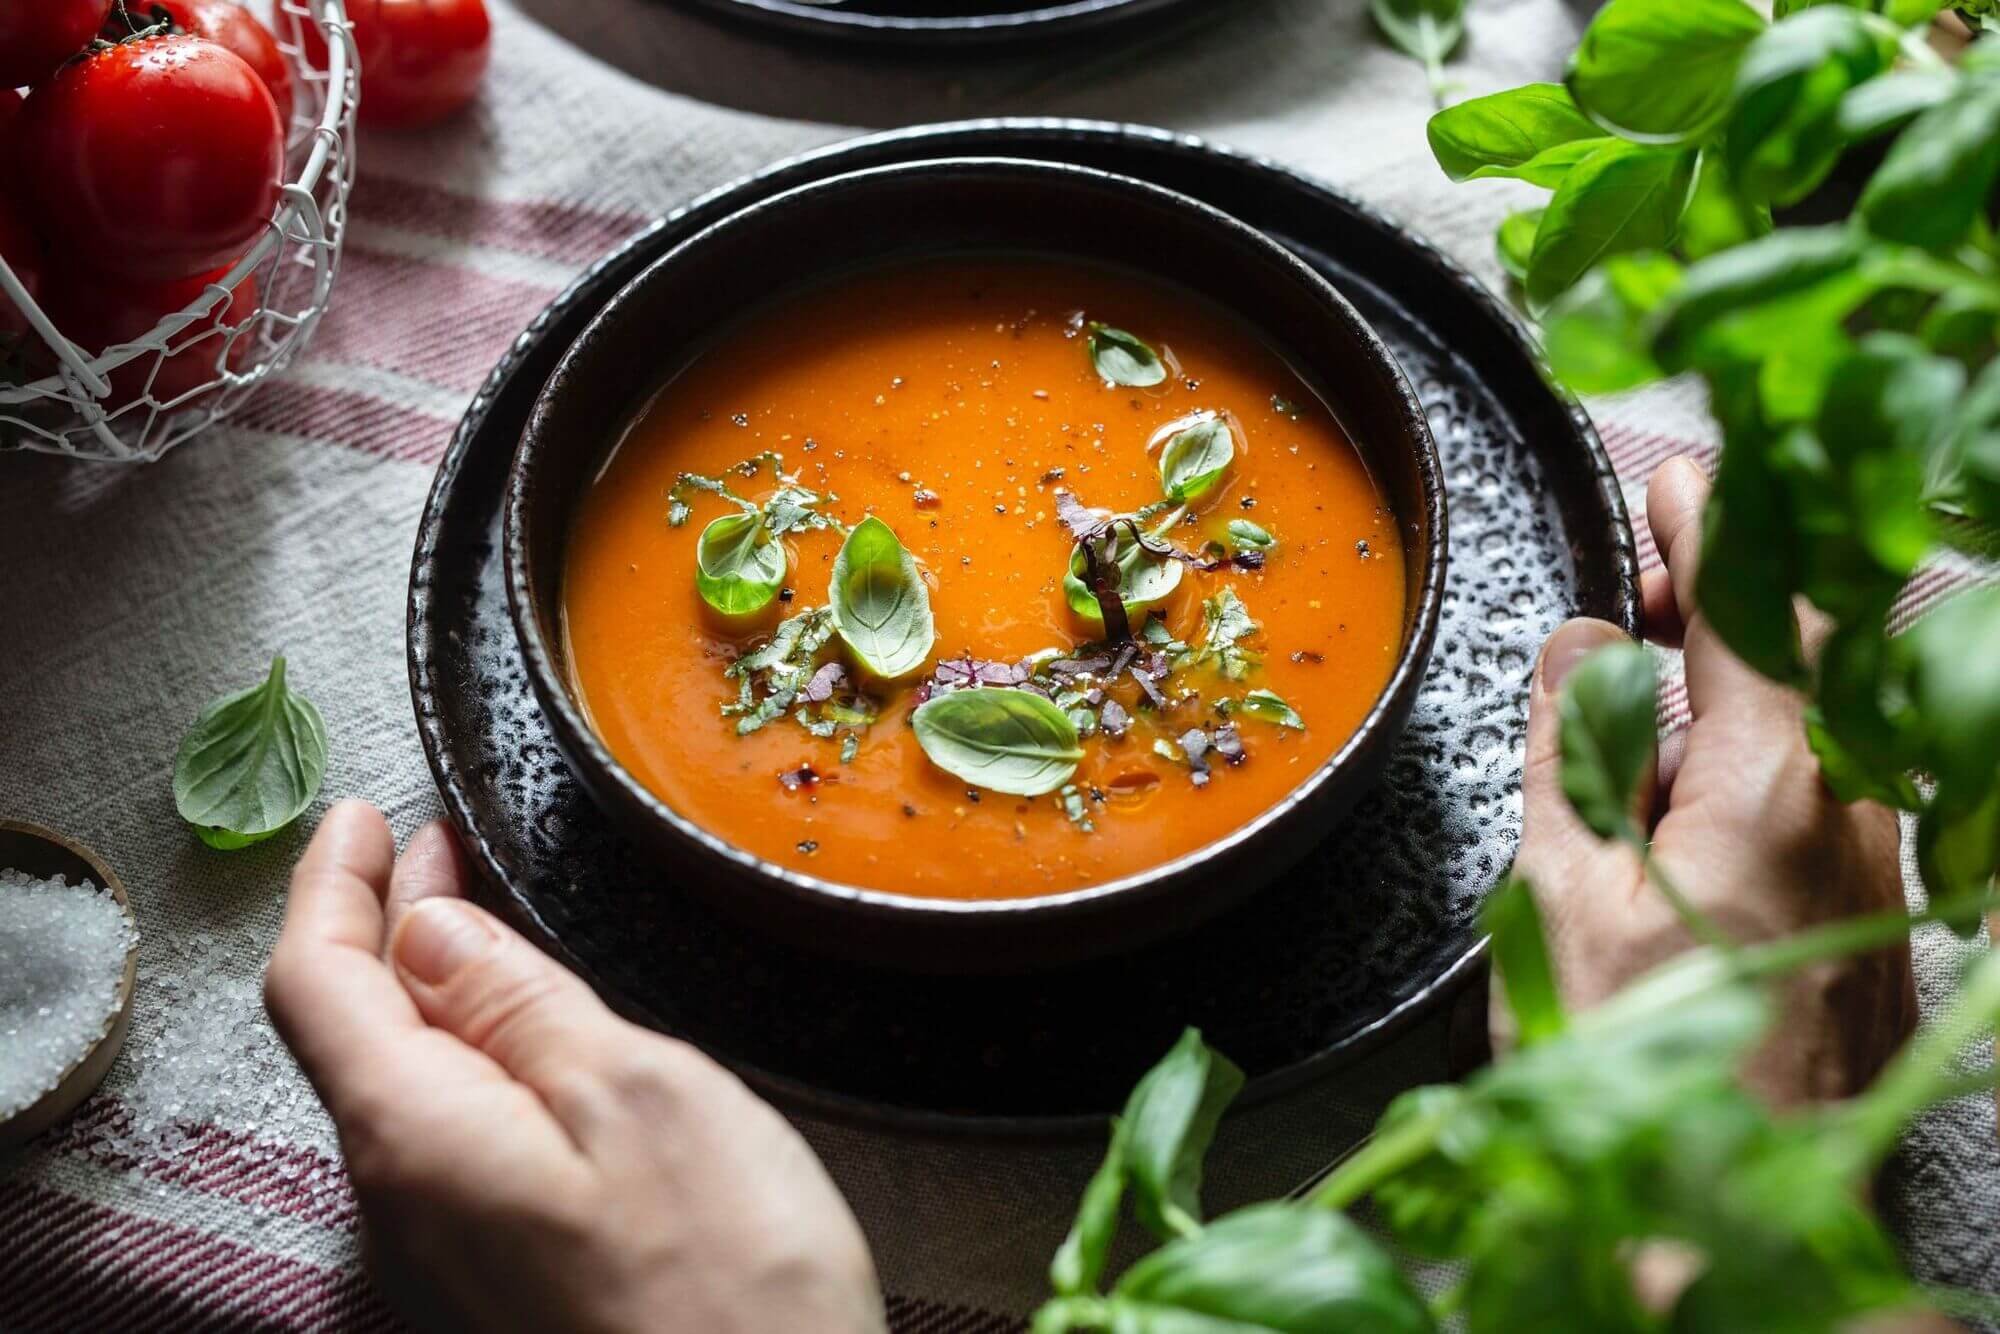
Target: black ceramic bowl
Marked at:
674, 310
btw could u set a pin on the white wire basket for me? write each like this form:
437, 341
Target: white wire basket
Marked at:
114, 403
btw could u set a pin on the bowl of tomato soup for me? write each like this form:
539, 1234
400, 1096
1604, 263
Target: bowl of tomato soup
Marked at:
976, 564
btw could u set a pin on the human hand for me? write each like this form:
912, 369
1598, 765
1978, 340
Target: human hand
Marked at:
524, 1158
1743, 824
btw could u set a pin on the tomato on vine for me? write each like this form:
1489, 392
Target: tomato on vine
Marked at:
421, 60
38, 35
154, 159
234, 28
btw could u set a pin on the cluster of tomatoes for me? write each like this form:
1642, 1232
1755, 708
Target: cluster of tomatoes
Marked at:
145, 157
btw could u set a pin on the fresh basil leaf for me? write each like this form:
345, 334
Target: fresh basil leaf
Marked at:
1622, 197
770, 677
1170, 1120
1958, 844
1891, 102
1269, 706
1963, 324
1888, 408
1011, 741
1749, 565
1783, 134
1196, 456
1864, 753
1940, 171
1533, 133
879, 603
1515, 241
1658, 72
1270, 1269
1143, 577
1737, 304
1597, 333
739, 568
1964, 473
1122, 359
251, 763
1610, 734
1521, 958
1717, 215
1429, 30
1955, 684
1079, 1261
1250, 536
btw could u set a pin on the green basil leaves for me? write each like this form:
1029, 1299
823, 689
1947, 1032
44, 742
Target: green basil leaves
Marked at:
879, 603
1005, 740
1429, 30
1248, 536
251, 764
1195, 457
1661, 73
1534, 133
1622, 197
1122, 359
739, 566
1269, 706
1609, 736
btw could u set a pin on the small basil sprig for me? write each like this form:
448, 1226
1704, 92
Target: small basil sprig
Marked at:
1011, 741
1195, 456
252, 762
1123, 359
739, 566
879, 603
1429, 30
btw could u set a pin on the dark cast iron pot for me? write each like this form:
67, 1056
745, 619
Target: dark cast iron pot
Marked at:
674, 310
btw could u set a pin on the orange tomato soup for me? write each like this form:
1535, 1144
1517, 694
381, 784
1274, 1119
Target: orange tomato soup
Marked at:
954, 399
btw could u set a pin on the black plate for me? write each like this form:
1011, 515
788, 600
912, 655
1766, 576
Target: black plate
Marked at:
1370, 932
924, 22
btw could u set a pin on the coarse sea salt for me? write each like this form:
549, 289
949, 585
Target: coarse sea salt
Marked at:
62, 955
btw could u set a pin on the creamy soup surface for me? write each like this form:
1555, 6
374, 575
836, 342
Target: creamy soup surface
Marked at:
954, 399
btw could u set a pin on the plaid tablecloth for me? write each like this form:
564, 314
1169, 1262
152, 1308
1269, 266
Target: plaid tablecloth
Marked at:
201, 1189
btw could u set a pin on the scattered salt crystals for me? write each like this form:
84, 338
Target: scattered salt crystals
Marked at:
62, 954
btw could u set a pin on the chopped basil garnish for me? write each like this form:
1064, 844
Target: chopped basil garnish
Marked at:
252, 762
1225, 623
1121, 359
1249, 536
1011, 741
1074, 807
1196, 456
879, 602
768, 679
739, 566
1270, 707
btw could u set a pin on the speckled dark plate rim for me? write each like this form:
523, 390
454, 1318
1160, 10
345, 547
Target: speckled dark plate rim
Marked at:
998, 135
1029, 23
1161, 885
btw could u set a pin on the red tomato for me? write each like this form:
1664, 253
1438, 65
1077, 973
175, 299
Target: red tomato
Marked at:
23, 252
231, 26
38, 35
96, 313
421, 60
153, 160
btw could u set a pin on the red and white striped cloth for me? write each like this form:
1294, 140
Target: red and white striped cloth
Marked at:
202, 1189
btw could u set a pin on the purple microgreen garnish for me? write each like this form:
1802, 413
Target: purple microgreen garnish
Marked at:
1229, 743
1195, 746
829, 678
1112, 718
804, 778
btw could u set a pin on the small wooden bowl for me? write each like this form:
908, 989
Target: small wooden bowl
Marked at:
44, 853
